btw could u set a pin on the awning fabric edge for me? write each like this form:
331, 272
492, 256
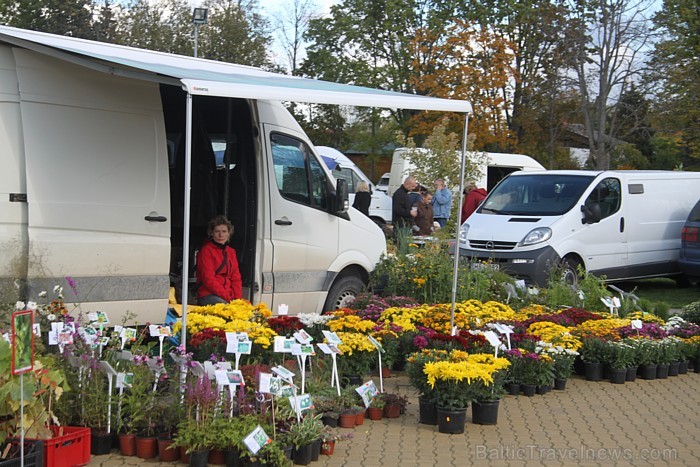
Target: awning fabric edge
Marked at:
319, 96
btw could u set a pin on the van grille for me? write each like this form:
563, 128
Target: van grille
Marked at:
491, 245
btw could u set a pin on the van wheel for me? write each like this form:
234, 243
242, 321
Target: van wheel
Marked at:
569, 266
683, 281
343, 291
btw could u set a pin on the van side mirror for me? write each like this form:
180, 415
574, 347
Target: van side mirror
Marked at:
341, 196
591, 213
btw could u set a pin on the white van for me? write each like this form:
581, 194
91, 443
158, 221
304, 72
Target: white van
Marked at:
383, 184
493, 167
617, 224
94, 184
343, 167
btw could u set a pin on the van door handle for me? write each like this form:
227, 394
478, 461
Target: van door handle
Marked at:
156, 218
283, 222
622, 224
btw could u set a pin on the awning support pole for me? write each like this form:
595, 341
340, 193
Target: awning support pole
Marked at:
459, 223
186, 230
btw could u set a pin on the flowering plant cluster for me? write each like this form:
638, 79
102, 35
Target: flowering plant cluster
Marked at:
285, 325
463, 378
236, 316
563, 358
531, 367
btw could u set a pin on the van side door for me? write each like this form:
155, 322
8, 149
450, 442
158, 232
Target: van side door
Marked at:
303, 231
605, 242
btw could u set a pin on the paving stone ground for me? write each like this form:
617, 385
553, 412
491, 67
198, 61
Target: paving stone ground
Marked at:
640, 423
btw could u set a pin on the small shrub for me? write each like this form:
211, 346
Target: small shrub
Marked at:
691, 312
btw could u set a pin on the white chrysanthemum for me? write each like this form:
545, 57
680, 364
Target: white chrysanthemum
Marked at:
32, 306
312, 319
42, 294
57, 289
20, 305
51, 317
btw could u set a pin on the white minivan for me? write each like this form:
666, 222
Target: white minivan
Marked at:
95, 183
617, 224
343, 167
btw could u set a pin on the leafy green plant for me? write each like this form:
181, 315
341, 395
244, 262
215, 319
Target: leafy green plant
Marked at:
594, 350
377, 402
308, 430
620, 355
425, 274
43, 386
193, 436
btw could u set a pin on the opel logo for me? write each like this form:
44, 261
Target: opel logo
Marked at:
489, 245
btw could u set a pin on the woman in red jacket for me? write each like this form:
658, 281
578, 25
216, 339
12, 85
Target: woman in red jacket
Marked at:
218, 277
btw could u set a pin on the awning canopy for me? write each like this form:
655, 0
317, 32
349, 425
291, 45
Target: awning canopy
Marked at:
211, 78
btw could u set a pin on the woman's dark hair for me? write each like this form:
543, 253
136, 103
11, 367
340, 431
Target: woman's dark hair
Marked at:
217, 221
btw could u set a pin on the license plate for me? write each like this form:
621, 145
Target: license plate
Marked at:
485, 266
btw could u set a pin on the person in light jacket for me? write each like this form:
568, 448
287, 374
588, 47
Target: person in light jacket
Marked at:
442, 202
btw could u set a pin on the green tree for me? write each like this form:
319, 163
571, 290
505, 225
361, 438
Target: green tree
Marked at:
532, 28
631, 116
676, 68
235, 32
607, 39
162, 25
367, 43
63, 17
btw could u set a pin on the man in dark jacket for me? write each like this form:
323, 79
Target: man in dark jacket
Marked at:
401, 213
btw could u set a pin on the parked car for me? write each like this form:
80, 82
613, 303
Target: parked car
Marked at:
689, 262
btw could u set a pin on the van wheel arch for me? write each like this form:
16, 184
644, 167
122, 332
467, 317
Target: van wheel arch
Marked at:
348, 284
569, 265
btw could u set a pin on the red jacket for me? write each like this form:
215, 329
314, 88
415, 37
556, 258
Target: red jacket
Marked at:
471, 202
227, 282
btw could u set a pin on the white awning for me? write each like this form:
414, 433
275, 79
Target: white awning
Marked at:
211, 78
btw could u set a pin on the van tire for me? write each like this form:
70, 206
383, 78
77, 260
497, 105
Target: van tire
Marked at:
569, 266
343, 290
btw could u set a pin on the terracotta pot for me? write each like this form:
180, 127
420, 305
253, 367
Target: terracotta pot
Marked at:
184, 457
165, 452
347, 420
375, 413
146, 447
217, 457
392, 411
386, 373
127, 445
327, 448
359, 418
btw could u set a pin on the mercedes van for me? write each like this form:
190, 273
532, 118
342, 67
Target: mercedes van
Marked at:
115, 158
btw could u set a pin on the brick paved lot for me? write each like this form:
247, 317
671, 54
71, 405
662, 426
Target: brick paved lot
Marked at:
640, 423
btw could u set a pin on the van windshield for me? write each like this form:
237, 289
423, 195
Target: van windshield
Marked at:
536, 195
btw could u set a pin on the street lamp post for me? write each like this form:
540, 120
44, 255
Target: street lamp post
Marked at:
199, 16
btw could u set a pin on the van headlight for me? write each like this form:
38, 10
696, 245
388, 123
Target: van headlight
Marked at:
463, 231
538, 235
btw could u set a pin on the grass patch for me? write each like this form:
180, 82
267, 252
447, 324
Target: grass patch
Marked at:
662, 290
